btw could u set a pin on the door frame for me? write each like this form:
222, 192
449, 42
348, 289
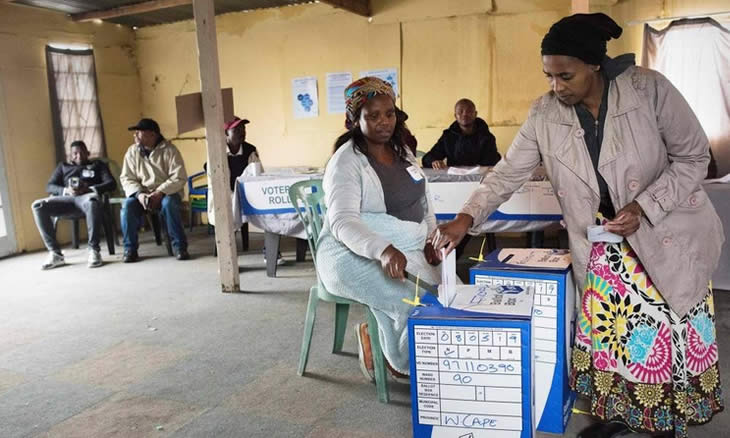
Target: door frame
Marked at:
8, 243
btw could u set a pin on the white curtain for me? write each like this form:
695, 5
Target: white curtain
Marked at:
695, 55
74, 100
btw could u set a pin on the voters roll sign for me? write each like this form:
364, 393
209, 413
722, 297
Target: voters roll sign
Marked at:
268, 195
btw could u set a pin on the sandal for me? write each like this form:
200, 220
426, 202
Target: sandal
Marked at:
364, 352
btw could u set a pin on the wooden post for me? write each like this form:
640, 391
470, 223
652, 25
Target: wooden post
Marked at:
580, 6
218, 177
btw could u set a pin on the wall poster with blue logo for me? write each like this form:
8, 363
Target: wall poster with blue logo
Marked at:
305, 99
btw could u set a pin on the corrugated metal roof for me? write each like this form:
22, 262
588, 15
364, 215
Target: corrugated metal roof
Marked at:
161, 16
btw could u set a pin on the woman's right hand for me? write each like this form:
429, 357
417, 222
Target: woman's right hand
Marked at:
393, 263
451, 233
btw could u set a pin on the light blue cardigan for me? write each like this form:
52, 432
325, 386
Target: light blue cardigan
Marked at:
351, 187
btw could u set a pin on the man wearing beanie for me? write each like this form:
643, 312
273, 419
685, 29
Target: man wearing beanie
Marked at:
624, 152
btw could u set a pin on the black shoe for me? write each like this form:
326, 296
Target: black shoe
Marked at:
669, 434
182, 254
130, 256
604, 430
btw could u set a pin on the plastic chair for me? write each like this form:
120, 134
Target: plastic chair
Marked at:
117, 198
198, 196
308, 199
107, 221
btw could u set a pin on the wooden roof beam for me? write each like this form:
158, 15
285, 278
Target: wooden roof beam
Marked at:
136, 8
359, 7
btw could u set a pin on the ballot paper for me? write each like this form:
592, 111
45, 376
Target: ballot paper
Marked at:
497, 301
447, 287
463, 170
724, 180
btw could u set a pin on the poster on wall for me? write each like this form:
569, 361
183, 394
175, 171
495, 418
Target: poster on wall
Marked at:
304, 94
389, 75
336, 84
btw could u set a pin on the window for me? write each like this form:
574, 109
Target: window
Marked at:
694, 54
74, 100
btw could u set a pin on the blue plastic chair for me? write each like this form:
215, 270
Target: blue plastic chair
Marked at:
195, 193
197, 206
308, 199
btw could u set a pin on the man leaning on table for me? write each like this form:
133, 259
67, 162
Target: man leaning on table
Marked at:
153, 177
467, 142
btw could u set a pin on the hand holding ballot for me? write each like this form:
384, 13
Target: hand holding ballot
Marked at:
393, 263
450, 234
627, 220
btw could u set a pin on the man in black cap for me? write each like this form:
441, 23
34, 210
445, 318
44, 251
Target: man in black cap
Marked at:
75, 187
153, 177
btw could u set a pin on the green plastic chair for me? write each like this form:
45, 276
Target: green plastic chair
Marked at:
308, 199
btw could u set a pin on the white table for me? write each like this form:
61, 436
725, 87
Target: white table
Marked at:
263, 201
720, 196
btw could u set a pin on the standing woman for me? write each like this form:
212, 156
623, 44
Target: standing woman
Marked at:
621, 146
378, 219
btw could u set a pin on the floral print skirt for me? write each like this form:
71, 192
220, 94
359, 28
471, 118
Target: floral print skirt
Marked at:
634, 358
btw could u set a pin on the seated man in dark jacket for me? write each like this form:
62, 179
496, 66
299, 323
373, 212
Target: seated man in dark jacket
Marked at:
467, 142
75, 187
240, 152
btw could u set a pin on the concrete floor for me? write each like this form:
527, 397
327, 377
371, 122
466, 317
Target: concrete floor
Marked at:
155, 350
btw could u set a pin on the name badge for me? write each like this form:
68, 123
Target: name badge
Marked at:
415, 173
87, 173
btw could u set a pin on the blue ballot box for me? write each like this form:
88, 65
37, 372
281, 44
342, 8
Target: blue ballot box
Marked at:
471, 372
552, 323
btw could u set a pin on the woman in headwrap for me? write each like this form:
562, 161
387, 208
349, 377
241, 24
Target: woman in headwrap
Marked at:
622, 147
378, 218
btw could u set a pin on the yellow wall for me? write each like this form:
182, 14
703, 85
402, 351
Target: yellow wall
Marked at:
634, 11
443, 50
487, 50
25, 116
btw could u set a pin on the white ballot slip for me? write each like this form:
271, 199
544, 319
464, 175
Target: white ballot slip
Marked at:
495, 300
447, 288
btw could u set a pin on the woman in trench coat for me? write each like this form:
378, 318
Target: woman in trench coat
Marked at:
622, 149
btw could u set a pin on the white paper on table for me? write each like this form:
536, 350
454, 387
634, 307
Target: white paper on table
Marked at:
463, 170
447, 288
494, 300
336, 84
724, 180
304, 97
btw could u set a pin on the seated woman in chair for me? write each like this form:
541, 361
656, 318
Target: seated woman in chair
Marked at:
378, 218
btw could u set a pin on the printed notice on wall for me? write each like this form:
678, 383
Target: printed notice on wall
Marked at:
336, 83
389, 75
305, 101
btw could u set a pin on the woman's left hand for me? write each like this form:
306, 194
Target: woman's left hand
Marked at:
432, 256
627, 220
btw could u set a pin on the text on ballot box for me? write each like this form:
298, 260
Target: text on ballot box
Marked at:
471, 374
552, 323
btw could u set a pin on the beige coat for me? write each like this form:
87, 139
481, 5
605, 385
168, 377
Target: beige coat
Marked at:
163, 170
654, 151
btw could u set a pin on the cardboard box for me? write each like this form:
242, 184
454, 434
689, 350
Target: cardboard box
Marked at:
553, 325
471, 374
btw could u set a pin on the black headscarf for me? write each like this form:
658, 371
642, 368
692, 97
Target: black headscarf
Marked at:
582, 36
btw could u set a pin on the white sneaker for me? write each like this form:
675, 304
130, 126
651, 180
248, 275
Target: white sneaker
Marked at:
53, 260
94, 258
279, 260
